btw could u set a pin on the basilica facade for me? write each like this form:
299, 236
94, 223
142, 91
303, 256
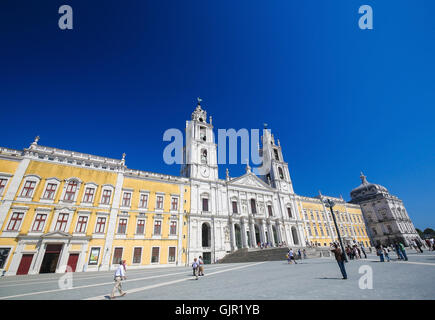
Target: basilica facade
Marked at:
250, 210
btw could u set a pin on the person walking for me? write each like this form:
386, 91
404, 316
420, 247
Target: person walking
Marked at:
419, 245
386, 254
305, 253
119, 276
402, 250
339, 257
195, 267
291, 256
363, 251
299, 254
380, 253
201, 266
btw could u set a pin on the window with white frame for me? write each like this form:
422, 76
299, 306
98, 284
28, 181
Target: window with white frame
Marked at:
174, 204
137, 254
143, 201
157, 227
289, 212
235, 208
61, 222
38, 224
105, 197
171, 254
205, 204
15, 221
159, 202
100, 225
71, 190
29, 187
122, 226
50, 191
89, 195
269, 210
173, 228
3, 183
155, 253
140, 227
126, 199
81, 224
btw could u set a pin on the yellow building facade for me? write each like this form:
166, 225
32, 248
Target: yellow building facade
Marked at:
61, 209
319, 228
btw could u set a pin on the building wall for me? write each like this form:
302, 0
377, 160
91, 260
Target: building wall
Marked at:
35, 165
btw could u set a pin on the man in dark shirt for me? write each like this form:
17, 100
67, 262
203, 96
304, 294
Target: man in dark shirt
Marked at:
339, 257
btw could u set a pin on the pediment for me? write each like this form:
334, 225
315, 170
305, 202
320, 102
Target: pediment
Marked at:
56, 234
249, 180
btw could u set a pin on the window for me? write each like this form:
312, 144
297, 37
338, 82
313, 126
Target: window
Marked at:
309, 231
289, 212
275, 151
39, 222
28, 189
204, 204
101, 224
234, 207
159, 204
171, 256
253, 206
126, 199
137, 254
2, 185
117, 256
81, 224
89, 195
281, 173
140, 228
70, 191
202, 134
50, 190
269, 209
157, 227
174, 204
4, 253
143, 202
122, 226
15, 222
204, 156
306, 215
105, 199
61, 222
173, 228
155, 255
316, 232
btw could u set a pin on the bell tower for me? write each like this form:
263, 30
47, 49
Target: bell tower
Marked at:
200, 151
278, 175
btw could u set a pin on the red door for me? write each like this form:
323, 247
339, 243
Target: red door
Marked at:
72, 261
24, 267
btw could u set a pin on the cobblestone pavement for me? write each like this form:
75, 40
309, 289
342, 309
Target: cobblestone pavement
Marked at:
309, 279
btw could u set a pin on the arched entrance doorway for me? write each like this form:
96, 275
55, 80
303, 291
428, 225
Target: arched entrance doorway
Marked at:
257, 234
206, 235
238, 236
295, 236
275, 235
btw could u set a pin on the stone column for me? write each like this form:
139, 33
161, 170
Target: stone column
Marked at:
233, 235
263, 231
243, 230
270, 231
252, 234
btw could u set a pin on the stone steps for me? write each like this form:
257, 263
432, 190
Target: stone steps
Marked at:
270, 254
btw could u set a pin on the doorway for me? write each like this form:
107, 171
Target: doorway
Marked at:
25, 262
257, 234
206, 257
72, 261
238, 235
51, 258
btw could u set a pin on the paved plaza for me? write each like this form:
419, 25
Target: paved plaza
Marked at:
318, 278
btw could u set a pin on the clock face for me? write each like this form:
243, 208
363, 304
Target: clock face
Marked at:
284, 185
205, 172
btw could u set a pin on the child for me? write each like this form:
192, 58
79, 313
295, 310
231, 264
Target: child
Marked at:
195, 266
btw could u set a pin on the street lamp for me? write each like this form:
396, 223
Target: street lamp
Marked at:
330, 204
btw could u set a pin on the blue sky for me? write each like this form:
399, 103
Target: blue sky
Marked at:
340, 99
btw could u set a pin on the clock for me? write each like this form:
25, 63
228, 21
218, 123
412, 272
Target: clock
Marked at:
284, 185
205, 172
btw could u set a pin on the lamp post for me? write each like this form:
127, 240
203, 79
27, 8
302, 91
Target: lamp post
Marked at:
330, 204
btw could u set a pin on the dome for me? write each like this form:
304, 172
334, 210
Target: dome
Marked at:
367, 188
